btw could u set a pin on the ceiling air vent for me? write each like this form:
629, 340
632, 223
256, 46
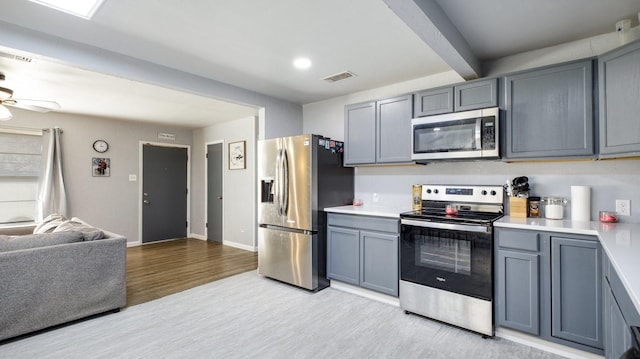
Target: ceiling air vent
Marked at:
339, 76
15, 57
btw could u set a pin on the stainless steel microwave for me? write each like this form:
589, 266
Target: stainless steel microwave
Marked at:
458, 135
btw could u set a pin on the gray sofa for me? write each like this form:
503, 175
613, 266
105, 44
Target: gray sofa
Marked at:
53, 278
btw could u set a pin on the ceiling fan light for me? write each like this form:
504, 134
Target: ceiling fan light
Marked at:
5, 114
5, 93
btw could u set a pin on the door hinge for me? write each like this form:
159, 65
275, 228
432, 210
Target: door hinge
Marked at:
187, 191
186, 224
206, 225
206, 155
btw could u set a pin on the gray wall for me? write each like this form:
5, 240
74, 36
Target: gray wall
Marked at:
110, 202
239, 192
610, 180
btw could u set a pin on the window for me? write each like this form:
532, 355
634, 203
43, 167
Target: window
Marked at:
20, 158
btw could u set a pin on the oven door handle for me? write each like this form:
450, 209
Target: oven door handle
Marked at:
449, 226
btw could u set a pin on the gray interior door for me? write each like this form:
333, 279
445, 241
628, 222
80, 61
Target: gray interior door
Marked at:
164, 193
214, 192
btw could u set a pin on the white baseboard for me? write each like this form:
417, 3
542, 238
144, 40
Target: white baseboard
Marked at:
240, 246
198, 236
547, 346
134, 244
387, 299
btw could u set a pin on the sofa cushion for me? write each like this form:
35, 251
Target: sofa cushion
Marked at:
12, 243
50, 223
89, 232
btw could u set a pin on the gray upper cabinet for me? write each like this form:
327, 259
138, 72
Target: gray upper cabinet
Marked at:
473, 95
360, 133
469, 95
433, 102
393, 135
619, 75
549, 112
378, 132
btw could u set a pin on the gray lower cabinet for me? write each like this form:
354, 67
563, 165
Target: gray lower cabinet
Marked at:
619, 82
549, 112
619, 313
576, 290
378, 131
363, 251
519, 293
549, 285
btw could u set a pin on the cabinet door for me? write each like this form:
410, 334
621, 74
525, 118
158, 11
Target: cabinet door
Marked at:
379, 262
343, 254
576, 291
476, 94
550, 112
393, 138
617, 334
619, 73
360, 133
433, 102
519, 291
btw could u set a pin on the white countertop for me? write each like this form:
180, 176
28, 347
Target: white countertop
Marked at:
370, 210
620, 241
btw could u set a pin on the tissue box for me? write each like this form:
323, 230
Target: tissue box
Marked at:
518, 207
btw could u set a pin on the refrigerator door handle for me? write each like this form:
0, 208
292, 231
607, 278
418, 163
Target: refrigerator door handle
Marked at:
278, 183
285, 192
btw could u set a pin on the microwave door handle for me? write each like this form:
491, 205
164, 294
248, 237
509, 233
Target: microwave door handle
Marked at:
479, 133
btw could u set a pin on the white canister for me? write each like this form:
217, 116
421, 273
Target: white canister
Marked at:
554, 207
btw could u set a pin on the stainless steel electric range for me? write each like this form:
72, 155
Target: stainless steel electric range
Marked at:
446, 255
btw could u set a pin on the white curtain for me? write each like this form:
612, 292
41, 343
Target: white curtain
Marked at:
52, 197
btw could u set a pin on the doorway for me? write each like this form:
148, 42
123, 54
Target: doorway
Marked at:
164, 192
215, 169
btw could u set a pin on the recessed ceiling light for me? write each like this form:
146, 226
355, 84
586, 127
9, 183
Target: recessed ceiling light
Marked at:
302, 63
84, 9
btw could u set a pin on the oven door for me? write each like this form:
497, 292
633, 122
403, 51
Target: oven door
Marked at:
452, 257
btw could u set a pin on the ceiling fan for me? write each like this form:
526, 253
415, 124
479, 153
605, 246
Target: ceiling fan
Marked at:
7, 99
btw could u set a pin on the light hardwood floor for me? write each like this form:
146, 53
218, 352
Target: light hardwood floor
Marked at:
156, 270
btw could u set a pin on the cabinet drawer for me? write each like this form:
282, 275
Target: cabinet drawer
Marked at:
357, 221
515, 239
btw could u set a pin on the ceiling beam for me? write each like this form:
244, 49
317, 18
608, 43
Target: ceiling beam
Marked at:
431, 24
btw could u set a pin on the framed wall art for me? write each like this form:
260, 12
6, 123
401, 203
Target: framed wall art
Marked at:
100, 167
237, 155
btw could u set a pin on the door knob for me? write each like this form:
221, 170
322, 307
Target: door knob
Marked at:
219, 197
146, 202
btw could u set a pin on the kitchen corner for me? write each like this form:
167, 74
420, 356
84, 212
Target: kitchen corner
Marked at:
620, 241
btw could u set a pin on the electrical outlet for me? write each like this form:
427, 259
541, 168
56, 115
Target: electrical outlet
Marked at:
375, 198
623, 207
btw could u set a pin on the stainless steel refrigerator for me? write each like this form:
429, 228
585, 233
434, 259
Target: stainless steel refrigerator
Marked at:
298, 177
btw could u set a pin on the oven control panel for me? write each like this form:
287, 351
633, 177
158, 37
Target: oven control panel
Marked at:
461, 193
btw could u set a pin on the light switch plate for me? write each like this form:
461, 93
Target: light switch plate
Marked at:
133, 178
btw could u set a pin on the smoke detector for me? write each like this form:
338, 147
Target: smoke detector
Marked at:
339, 76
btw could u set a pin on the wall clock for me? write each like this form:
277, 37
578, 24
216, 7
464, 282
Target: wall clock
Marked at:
100, 146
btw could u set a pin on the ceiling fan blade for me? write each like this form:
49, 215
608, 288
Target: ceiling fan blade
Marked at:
5, 114
33, 105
